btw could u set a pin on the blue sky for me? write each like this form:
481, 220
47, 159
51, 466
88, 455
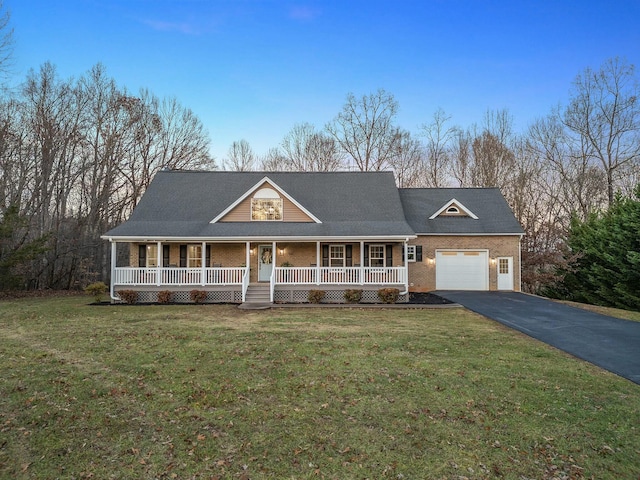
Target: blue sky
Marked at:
253, 69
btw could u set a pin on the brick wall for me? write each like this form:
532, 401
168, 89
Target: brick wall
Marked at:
422, 275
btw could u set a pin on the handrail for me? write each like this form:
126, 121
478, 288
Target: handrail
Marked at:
245, 282
272, 283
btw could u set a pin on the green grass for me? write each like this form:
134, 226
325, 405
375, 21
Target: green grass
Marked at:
215, 392
610, 311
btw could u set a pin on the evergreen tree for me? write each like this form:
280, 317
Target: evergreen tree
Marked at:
607, 247
16, 249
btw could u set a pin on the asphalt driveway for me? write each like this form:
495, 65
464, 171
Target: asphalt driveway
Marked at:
610, 343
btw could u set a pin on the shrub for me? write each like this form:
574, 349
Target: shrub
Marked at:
353, 296
198, 296
128, 296
164, 296
388, 295
97, 290
316, 296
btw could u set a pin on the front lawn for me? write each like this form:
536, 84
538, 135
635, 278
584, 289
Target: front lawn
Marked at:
215, 392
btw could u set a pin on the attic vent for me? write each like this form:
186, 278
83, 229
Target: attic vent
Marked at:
453, 210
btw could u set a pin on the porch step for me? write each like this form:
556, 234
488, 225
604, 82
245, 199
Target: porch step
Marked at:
257, 296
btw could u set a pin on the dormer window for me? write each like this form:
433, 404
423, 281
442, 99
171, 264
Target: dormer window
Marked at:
266, 205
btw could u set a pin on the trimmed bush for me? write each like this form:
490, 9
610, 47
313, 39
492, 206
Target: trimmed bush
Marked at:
97, 290
388, 295
164, 296
353, 296
316, 296
198, 296
128, 296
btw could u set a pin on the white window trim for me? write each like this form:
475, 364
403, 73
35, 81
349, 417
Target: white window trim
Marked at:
384, 254
197, 257
411, 253
152, 255
343, 257
269, 200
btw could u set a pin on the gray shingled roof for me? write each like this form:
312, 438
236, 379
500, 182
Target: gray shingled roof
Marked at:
182, 204
488, 204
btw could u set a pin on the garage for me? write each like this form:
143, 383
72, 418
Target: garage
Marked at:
462, 270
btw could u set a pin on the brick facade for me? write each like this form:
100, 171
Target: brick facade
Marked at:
422, 275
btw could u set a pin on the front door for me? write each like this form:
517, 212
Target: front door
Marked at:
505, 273
265, 262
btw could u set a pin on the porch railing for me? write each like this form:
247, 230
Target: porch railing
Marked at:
245, 282
178, 276
340, 275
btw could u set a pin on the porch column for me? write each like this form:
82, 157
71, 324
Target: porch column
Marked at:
247, 254
113, 267
159, 263
203, 264
318, 263
361, 262
274, 257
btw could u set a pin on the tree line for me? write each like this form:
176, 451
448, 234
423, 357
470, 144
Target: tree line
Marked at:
77, 154
75, 157
565, 167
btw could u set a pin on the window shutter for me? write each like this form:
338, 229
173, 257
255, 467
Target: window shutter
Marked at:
418, 253
389, 255
208, 255
348, 252
165, 255
183, 255
325, 255
366, 255
142, 255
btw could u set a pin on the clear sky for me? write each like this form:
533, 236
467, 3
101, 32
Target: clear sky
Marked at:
252, 69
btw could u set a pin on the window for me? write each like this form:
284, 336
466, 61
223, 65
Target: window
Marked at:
194, 256
503, 266
152, 255
411, 253
266, 205
336, 255
376, 256
453, 210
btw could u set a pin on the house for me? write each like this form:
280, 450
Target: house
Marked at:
274, 236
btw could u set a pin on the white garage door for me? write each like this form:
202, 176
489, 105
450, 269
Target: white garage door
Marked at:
463, 270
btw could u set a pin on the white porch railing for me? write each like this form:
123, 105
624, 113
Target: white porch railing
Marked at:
340, 275
178, 276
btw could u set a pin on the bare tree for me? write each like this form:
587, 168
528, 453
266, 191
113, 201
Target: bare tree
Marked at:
407, 162
439, 137
306, 150
240, 157
274, 161
6, 41
605, 113
365, 131
461, 158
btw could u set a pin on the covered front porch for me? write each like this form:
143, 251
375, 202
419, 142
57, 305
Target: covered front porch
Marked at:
284, 266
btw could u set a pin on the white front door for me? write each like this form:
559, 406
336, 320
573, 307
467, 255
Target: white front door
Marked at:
505, 273
265, 262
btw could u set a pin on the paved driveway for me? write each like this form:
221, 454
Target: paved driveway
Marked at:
608, 342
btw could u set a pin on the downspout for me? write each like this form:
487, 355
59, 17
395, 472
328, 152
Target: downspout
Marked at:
406, 268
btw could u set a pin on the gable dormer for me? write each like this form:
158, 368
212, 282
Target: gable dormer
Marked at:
453, 208
266, 202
